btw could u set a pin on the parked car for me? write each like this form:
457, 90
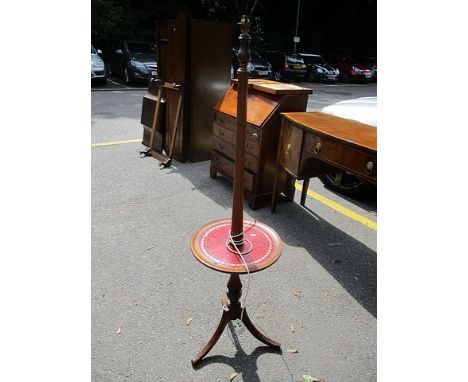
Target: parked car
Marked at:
364, 110
286, 65
318, 69
98, 70
134, 61
371, 64
350, 69
258, 67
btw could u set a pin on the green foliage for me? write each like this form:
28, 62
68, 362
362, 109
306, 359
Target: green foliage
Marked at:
343, 25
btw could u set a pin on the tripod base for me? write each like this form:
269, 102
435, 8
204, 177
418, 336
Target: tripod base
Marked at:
233, 311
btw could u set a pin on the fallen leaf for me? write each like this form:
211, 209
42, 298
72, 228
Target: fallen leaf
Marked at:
293, 351
189, 320
298, 293
291, 328
308, 378
119, 330
232, 376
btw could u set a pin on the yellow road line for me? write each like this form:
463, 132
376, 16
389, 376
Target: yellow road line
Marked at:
338, 207
115, 143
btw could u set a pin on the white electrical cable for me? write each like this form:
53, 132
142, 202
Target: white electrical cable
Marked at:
232, 243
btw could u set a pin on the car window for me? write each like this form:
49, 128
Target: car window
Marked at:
255, 54
93, 51
141, 47
313, 59
294, 59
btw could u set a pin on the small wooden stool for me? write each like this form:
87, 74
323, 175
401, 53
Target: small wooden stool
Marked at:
209, 246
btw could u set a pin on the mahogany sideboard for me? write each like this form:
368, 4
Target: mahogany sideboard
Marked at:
315, 143
266, 101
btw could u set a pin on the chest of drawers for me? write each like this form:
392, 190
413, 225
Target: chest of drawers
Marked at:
265, 101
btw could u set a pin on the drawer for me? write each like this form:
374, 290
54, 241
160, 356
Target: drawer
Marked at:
343, 156
226, 166
251, 131
229, 150
251, 146
225, 120
224, 133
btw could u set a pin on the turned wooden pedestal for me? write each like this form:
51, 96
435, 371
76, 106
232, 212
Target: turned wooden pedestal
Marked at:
209, 247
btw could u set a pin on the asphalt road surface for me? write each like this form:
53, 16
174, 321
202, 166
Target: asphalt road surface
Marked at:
154, 305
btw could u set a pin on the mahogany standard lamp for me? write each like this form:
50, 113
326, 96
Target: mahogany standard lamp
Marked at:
233, 245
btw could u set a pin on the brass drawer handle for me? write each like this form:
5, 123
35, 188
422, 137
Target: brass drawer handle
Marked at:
288, 149
255, 135
221, 132
369, 168
317, 147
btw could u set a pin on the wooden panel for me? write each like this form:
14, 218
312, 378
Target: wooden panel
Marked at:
229, 150
281, 88
260, 106
350, 131
161, 46
177, 49
226, 166
210, 73
275, 87
290, 150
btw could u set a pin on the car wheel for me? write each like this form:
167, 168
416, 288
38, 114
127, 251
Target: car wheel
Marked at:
346, 184
126, 76
278, 76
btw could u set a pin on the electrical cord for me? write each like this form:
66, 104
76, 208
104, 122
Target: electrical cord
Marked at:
231, 244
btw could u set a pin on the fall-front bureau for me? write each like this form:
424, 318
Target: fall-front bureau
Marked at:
265, 101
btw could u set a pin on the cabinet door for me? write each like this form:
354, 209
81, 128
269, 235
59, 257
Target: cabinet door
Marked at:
290, 149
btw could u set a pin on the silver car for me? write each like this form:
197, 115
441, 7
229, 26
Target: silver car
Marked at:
98, 70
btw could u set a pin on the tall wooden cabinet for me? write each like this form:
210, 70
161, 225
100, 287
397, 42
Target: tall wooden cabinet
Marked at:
197, 55
265, 102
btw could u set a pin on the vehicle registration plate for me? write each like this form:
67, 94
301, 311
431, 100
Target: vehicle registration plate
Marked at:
263, 73
297, 66
368, 75
153, 72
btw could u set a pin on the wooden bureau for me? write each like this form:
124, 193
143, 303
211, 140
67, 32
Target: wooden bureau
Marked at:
266, 101
315, 143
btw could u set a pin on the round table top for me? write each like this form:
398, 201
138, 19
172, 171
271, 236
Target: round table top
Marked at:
209, 246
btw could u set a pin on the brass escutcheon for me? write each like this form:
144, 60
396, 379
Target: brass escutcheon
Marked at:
369, 168
317, 147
